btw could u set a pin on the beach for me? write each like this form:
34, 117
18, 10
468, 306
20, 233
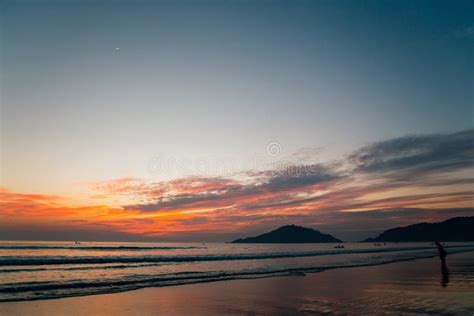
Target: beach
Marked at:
407, 288
236, 157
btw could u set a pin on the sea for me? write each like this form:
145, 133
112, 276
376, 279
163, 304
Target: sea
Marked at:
48, 270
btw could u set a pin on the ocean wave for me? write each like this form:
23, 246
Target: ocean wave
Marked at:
95, 267
48, 290
60, 260
96, 248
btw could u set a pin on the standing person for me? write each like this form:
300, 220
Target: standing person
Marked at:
444, 269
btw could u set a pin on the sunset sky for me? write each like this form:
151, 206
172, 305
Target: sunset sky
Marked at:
212, 120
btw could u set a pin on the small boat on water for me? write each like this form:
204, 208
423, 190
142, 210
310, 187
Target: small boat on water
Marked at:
339, 246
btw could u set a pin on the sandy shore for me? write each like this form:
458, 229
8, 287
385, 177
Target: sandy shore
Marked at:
400, 288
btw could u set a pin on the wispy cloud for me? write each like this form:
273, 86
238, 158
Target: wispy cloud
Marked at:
222, 192
417, 155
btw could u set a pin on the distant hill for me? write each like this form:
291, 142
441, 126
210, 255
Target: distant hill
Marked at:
454, 229
290, 234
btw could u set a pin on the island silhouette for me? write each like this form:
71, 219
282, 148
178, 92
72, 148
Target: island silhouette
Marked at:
290, 234
454, 229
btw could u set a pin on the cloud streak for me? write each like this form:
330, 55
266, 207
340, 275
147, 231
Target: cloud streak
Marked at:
414, 156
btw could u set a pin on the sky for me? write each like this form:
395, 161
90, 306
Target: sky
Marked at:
212, 120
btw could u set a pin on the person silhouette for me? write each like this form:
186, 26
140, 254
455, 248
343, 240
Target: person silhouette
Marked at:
444, 269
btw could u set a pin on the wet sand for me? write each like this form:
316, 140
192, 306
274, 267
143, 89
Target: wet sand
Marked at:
406, 288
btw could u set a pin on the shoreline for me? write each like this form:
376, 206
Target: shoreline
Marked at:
344, 281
